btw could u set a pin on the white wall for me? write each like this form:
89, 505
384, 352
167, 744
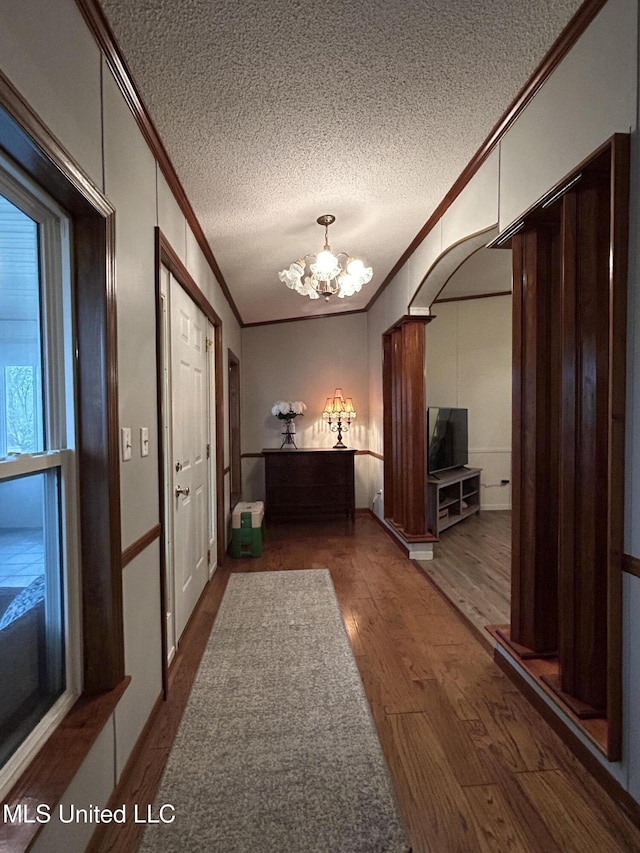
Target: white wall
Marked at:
468, 365
305, 360
591, 96
74, 94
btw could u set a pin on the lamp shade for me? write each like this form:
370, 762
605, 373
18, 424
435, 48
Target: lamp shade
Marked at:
348, 408
328, 408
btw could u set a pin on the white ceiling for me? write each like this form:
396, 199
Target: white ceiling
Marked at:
276, 112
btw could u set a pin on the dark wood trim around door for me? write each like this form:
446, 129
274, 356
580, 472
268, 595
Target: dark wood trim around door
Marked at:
235, 450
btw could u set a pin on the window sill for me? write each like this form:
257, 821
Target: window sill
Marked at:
50, 773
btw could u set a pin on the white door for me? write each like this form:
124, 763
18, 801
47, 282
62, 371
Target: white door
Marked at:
190, 467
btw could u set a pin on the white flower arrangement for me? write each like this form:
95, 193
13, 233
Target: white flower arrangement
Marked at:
286, 411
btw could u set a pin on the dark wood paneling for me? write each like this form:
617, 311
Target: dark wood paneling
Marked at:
396, 437
584, 429
583, 332
404, 424
414, 429
620, 189
387, 425
140, 545
535, 454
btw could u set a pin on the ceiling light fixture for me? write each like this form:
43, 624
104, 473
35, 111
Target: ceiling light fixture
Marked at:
326, 274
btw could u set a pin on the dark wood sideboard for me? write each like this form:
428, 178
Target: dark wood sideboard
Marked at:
309, 483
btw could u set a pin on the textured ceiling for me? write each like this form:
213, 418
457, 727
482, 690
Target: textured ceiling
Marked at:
276, 112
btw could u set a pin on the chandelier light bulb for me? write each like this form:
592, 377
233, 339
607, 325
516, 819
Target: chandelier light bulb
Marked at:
326, 264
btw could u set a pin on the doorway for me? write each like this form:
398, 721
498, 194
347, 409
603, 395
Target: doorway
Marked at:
187, 363
190, 450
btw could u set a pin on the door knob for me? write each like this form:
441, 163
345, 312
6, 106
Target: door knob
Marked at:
181, 491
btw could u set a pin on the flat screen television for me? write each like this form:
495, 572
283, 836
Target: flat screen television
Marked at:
448, 439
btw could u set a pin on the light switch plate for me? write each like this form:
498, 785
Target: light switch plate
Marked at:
144, 441
125, 438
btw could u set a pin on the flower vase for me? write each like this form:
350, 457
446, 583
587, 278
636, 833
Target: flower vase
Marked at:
289, 432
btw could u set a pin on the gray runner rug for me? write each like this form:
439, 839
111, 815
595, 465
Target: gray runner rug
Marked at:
277, 750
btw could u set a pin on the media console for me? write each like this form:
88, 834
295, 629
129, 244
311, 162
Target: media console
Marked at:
451, 496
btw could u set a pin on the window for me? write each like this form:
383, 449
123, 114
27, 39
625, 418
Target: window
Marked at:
39, 610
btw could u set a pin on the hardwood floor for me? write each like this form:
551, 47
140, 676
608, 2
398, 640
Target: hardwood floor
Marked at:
475, 768
472, 566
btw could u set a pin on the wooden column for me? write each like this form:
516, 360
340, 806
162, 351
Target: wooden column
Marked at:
397, 450
584, 539
414, 428
404, 398
534, 606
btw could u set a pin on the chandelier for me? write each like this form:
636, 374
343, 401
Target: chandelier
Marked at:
326, 274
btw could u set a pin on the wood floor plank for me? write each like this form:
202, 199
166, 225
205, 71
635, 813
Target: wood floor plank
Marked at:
568, 815
398, 692
496, 826
440, 797
508, 735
